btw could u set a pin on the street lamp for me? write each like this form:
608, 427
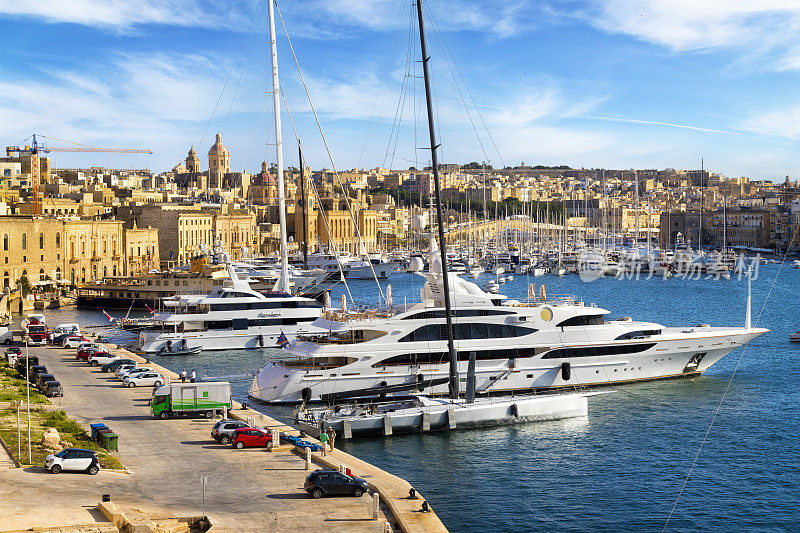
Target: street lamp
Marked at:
28, 396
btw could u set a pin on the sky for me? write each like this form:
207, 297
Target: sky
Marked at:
586, 83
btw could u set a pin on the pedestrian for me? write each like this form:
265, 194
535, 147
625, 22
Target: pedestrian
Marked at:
323, 438
331, 437
194, 377
183, 376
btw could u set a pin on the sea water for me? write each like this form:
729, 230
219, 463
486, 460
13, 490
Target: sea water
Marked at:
623, 467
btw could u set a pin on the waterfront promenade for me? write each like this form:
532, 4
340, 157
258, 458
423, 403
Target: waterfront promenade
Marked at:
250, 489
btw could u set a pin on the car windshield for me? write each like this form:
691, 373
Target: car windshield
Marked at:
62, 453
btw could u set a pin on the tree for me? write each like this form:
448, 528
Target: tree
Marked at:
26, 285
476, 166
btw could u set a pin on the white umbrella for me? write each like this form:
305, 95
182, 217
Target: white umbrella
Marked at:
344, 304
327, 300
542, 293
389, 296
532, 291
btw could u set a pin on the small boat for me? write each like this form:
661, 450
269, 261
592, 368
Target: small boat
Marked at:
169, 349
795, 337
509, 278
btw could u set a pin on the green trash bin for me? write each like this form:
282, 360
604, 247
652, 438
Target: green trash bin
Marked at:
111, 441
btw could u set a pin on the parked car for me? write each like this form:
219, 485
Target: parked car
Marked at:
224, 429
35, 371
74, 341
51, 388
116, 363
144, 379
84, 353
58, 340
248, 437
41, 379
88, 344
30, 361
134, 371
14, 349
73, 460
101, 358
332, 482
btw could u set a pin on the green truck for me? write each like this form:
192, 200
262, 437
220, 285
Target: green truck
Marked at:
191, 399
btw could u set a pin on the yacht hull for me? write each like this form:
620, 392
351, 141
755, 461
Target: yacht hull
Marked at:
250, 339
281, 383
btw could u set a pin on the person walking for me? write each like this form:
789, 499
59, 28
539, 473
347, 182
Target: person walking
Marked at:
331, 437
323, 439
183, 376
193, 378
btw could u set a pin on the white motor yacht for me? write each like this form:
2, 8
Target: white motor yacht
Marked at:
519, 346
231, 318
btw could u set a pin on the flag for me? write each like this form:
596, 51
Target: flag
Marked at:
282, 340
151, 310
109, 317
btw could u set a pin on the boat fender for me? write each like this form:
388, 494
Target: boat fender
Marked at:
514, 410
261, 340
566, 371
169, 346
306, 394
184, 344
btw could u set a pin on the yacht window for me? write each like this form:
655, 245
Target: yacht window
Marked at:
594, 351
442, 357
582, 320
469, 331
458, 313
638, 334
239, 323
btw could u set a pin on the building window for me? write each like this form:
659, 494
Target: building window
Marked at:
58, 240
5, 242
58, 273
83, 274
41, 274
24, 241
41, 241
6, 279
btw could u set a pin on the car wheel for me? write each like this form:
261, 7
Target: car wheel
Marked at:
209, 414
56, 469
93, 470
239, 445
358, 492
157, 384
94, 363
317, 494
163, 415
7, 342
225, 439
131, 384
104, 370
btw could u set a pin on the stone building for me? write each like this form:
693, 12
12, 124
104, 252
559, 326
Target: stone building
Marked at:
141, 251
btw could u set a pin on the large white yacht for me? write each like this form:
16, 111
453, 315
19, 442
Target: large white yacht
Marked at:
234, 317
351, 267
519, 346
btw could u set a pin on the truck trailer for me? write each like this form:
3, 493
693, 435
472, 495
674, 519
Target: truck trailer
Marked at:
201, 398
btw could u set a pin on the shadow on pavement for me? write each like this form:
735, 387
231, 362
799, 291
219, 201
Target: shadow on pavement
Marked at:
291, 496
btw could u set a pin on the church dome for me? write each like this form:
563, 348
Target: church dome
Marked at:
218, 148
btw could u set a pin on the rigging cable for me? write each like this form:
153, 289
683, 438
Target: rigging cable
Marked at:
730, 381
328, 150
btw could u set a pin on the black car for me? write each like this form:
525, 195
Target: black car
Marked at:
58, 340
22, 361
115, 364
51, 388
333, 483
41, 379
15, 350
35, 371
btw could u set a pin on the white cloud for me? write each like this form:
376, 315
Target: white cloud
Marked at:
784, 122
757, 29
122, 15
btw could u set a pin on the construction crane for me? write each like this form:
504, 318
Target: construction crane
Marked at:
35, 149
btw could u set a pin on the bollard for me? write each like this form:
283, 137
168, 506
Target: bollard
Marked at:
341, 469
387, 527
376, 505
224, 412
412, 494
308, 458
276, 438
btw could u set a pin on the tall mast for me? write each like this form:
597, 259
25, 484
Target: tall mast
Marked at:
702, 192
440, 222
276, 109
303, 200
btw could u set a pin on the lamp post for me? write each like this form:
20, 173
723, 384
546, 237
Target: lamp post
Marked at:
28, 397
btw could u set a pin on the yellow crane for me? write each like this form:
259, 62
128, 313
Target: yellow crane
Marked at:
34, 149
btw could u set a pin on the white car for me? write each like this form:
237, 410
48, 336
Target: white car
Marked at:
73, 341
140, 379
123, 369
101, 358
84, 344
134, 371
74, 460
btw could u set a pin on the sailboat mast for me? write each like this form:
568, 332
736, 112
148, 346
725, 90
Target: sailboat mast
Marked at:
303, 200
276, 108
440, 222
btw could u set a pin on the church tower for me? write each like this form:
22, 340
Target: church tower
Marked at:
219, 163
192, 161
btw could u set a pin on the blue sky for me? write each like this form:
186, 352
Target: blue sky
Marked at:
588, 83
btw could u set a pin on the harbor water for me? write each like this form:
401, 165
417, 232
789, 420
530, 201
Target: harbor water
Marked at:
622, 468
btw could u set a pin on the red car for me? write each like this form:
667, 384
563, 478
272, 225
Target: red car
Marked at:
83, 355
247, 437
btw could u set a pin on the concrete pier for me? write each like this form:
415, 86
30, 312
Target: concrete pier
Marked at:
252, 489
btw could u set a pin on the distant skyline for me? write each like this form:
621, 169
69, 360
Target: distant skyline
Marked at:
587, 83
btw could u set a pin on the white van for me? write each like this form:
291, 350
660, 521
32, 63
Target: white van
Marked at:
6, 335
68, 329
